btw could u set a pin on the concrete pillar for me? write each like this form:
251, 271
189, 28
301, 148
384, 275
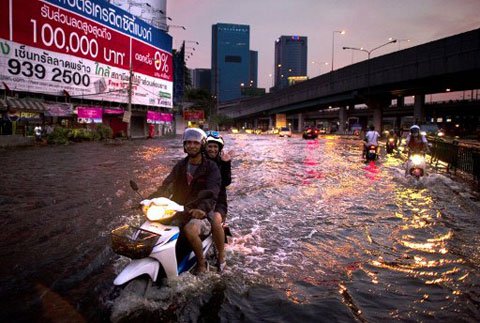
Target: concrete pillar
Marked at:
342, 119
255, 123
377, 105
400, 102
300, 122
270, 122
419, 109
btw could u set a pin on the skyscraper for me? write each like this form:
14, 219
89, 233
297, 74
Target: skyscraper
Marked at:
253, 69
230, 60
290, 60
201, 79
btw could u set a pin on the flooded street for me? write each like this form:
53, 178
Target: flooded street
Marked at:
317, 236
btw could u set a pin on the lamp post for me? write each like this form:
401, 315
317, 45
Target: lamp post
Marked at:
175, 26
399, 41
320, 65
369, 52
341, 32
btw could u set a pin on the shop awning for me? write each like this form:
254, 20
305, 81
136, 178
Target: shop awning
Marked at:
25, 104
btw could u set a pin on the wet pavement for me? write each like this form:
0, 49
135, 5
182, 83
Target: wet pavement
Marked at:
317, 234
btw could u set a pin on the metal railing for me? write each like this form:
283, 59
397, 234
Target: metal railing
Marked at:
457, 157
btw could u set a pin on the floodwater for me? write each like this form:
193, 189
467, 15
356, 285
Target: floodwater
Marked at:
318, 236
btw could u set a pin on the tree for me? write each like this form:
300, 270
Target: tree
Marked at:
202, 99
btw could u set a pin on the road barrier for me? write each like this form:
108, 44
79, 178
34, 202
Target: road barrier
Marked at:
457, 157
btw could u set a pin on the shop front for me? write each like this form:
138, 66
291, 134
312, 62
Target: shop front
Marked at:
159, 123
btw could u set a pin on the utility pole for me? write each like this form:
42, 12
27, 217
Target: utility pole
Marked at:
128, 117
129, 107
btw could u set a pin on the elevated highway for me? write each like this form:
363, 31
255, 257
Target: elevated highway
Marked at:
450, 63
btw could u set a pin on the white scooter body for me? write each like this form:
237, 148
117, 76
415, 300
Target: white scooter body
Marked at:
163, 254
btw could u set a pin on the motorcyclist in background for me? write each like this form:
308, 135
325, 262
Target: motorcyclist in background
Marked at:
392, 136
214, 151
416, 142
371, 139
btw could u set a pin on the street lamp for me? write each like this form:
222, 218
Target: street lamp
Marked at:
175, 26
402, 40
341, 32
320, 65
369, 52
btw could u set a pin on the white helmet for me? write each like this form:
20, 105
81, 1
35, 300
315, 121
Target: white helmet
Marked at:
194, 134
216, 139
414, 129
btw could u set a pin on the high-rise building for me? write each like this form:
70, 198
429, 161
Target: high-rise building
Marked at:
201, 79
253, 69
290, 60
230, 60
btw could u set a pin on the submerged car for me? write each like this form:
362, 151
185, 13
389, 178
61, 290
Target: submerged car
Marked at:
310, 133
285, 132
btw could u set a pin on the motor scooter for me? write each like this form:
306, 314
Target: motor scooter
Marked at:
391, 145
156, 247
416, 165
371, 154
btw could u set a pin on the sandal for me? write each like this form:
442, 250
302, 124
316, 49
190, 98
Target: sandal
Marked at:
222, 266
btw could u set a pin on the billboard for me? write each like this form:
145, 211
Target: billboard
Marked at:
85, 47
193, 115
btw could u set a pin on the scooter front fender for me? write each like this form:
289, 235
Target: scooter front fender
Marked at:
136, 268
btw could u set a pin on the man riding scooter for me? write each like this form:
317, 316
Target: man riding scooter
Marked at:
416, 142
188, 177
371, 139
391, 144
417, 146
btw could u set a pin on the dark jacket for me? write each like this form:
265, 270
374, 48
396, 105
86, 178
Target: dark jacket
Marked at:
226, 173
206, 177
417, 144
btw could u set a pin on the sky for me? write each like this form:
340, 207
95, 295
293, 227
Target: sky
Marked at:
367, 23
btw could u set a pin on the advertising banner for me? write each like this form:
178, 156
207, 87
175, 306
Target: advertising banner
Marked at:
113, 111
58, 110
166, 117
90, 48
90, 114
153, 117
193, 115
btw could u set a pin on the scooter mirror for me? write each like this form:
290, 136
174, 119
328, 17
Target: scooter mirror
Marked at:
133, 185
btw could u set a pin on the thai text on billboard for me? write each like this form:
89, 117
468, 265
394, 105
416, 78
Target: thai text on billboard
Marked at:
85, 47
193, 115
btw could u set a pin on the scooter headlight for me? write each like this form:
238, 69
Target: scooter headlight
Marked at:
160, 209
391, 140
157, 213
417, 159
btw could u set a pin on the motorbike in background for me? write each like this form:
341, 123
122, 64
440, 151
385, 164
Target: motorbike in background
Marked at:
371, 154
391, 145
